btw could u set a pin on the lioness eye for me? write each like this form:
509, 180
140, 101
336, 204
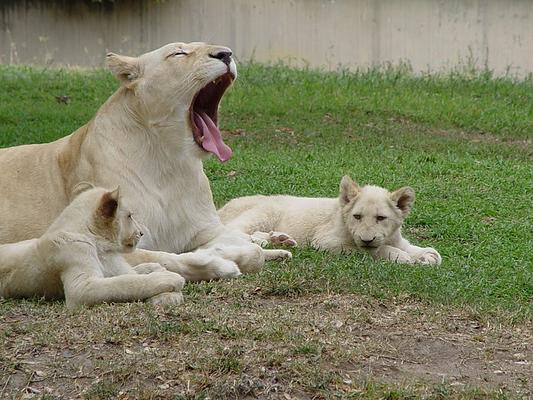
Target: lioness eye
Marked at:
357, 216
130, 216
177, 53
381, 217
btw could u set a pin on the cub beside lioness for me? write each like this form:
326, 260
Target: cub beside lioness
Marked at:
80, 258
365, 218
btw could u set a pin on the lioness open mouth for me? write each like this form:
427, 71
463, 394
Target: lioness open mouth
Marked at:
204, 117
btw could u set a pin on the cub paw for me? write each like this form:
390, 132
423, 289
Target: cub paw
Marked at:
282, 239
278, 255
400, 257
259, 239
166, 299
167, 281
429, 256
226, 269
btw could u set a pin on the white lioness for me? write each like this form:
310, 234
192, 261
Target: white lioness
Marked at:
365, 218
80, 258
149, 138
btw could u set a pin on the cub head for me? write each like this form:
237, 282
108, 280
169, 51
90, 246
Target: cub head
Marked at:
113, 225
180, 84
372, 214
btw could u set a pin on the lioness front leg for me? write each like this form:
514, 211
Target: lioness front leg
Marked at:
148, 267
84, 286
393, 254
250, 257
198, 266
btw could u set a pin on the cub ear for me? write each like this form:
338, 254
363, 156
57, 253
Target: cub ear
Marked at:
125, 68
403, 199
109, 204
81, 187
348, 190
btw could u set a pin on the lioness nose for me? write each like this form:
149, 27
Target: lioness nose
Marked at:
141, 234
223, 55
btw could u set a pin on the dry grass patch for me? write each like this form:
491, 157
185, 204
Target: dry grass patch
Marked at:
231, 340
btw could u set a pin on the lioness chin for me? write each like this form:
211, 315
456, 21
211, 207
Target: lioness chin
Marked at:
367, 219
80, 257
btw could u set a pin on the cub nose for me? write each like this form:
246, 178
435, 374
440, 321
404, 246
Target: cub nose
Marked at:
141, 234
367, 242
223, 55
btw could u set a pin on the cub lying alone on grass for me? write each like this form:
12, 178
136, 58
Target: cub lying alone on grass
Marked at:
80, 258
365, 218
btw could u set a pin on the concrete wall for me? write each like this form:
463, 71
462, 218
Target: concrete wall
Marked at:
430, 34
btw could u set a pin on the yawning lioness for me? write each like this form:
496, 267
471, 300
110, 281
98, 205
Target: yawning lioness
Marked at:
149, 137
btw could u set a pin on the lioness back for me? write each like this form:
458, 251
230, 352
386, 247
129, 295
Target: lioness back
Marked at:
18, 219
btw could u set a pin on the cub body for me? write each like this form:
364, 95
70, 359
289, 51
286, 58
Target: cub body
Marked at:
80, 257
367, 219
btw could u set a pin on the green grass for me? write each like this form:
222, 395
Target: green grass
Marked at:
460, 142
463, 143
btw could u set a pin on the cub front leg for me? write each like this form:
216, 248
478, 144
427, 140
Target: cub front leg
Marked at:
277, 255
166, 299
421, 255
427, 255
162, 299
84, 285
393, 254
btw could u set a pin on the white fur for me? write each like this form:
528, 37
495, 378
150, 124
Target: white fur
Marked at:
140, 139
80, 257
341, 224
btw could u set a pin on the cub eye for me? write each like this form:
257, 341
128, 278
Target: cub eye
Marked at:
357, 216
381, 217
130, 216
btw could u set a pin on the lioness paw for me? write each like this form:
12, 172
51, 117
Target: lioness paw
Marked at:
166, 299
147, 268
429, 256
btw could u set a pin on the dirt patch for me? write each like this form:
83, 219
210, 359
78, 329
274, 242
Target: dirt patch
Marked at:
258, 346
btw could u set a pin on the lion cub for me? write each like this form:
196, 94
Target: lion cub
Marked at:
365, 218
80, 258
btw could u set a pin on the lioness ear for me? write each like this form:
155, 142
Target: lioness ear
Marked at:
125, 68
109, 204
404, 199
81, 187
348, 190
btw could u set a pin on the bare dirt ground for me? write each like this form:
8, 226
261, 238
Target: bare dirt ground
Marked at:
253, 345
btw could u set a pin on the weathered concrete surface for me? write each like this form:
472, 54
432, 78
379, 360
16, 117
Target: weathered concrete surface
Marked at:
430, 34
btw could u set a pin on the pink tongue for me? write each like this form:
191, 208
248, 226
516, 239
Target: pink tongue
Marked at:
212, 141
